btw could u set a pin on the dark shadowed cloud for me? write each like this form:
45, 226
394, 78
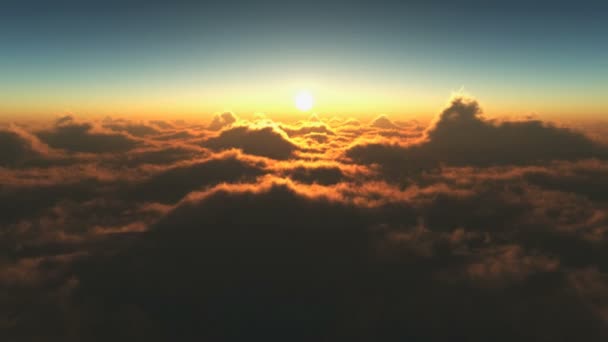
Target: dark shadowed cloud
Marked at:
138, 130
287, 260
171, 185
325, 175
81, 137
15, 149
461, 136
258, 141
179, 135
166, 155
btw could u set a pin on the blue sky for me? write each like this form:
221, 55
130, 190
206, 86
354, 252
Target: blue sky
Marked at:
98, 57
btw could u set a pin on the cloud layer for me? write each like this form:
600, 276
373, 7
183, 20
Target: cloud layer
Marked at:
461, 136
322, 229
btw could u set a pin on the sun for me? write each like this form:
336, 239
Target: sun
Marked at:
304, 101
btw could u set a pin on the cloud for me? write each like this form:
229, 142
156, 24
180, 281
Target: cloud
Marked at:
15, 149
222, 120
351, 122
461, 136
383, 122
583, 178
318, 137
138, 130
22, 202
307, 128
235, 250
257, 141
179, 135
325, 175
162, 124
506, 264
64, 120
173, 184
81, 137
254, 230
299, 259
166, 155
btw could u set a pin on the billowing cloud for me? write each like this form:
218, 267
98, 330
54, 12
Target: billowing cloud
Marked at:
461, 136
15, 149
171, 185
383, 122
222, 120
138, 130
82, 137
290, 254
307, 128
179, 135
258, 141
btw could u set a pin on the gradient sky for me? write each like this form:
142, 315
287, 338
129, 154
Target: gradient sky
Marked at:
403, 58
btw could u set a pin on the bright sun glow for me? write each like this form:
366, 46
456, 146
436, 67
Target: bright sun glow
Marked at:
304, 101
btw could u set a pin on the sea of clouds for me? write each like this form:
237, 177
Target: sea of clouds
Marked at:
326, 229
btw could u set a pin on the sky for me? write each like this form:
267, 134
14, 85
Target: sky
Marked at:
303, 171
403, 58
